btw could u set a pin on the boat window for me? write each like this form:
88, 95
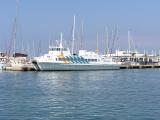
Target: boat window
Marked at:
92, 60
65, 49
53, 49
58, 49
61, 59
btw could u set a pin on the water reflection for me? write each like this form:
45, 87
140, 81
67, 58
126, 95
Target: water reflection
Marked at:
73, 80
124, 94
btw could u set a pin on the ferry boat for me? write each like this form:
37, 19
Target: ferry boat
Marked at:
59, 58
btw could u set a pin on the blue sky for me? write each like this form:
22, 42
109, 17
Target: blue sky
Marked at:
42, 20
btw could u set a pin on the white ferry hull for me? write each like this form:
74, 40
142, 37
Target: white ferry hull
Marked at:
47, 66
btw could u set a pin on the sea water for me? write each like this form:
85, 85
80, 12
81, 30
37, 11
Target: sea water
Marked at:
80, 95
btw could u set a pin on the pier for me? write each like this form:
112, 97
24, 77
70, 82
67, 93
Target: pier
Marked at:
138, 66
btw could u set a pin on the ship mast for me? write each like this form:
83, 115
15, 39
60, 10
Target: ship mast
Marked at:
82, 32
12, 45
73, 36
97, 49
107, 42
15, 27
129, 42
60, 45
61, 38
33, 49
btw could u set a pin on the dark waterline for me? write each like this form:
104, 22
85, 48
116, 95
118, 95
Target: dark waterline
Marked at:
80, 95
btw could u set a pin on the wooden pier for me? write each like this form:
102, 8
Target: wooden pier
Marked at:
138, 66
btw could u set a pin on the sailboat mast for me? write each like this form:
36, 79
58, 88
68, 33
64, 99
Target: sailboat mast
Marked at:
107, 42
61, 38
129, 43
82, 32
33, 49
15, 27
73, 35
97, 49
14, 37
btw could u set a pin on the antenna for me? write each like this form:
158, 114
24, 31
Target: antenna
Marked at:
56, 42
73, 37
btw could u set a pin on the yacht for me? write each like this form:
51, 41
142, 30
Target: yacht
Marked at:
19, 62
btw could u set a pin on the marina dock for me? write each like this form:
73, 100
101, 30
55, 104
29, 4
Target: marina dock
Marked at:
138, 66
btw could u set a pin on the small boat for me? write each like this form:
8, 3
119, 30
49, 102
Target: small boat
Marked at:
19, 62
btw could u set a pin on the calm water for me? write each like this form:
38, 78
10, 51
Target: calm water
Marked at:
91, 95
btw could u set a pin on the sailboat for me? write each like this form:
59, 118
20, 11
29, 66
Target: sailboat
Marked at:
19, 61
